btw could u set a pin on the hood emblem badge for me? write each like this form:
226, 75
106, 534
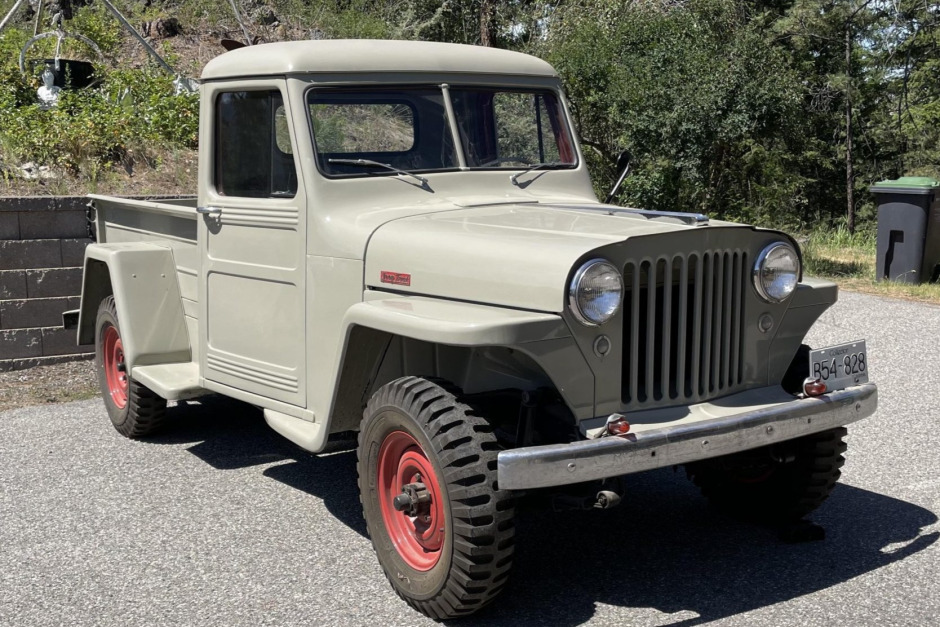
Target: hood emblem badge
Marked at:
395, 278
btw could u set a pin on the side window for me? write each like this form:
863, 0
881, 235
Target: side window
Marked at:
253, 153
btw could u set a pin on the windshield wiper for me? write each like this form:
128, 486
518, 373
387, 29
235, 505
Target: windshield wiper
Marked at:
378, 164
534, 167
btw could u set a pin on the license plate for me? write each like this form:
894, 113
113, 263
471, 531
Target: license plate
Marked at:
840, 366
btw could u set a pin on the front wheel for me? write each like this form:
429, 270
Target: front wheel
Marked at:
441, 527
135, 411
780, 483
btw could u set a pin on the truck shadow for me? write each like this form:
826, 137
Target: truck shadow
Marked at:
228, 434
664, 548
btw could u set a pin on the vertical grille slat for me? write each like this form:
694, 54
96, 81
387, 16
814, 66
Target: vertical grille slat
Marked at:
667, 360
705, 371
634, 331
725, 363
683, 321
683, 327
650, 331
737, 347
739, 264
696, 330
718, 318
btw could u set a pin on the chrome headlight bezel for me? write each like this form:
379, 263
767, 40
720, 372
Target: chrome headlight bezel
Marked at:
772, 254
587, 270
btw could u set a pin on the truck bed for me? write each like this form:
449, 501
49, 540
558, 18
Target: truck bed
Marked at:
171, 223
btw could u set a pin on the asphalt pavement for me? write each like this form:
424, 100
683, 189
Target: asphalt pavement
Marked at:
219, 521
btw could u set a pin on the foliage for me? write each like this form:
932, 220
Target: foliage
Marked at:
914, 84
739, 109
735, 108
99, 25
696, 92
95, 129
119, 122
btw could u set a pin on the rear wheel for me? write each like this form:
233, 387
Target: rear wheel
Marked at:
441, 527
135, 411
774, 484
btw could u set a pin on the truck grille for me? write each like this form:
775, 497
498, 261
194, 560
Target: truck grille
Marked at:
683, 327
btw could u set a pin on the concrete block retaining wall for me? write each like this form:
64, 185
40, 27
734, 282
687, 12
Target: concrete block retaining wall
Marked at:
42, 249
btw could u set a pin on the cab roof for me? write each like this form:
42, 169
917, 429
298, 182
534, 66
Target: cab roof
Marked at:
369, 56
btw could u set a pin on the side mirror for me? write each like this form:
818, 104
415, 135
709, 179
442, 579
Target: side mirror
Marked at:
623, 166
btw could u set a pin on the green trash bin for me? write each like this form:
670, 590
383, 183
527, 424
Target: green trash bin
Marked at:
908, 229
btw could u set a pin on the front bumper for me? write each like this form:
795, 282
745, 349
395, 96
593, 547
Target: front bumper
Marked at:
586, 460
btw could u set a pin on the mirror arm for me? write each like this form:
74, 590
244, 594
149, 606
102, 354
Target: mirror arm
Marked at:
623, 162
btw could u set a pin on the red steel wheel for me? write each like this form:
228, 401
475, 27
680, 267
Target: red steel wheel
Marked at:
114, 368
441, 528
418, 538
135, 410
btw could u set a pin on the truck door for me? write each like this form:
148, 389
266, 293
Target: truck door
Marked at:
252, 232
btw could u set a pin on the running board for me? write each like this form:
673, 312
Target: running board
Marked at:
174, 382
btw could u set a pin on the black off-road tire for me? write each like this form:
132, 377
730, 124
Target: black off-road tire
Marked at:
475, 557
135, 410
777, 484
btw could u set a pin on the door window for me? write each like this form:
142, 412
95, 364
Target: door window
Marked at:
253, 152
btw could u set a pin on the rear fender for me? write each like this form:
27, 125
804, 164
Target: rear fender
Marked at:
142, 278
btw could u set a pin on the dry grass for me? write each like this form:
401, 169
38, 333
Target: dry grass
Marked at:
58, 383
167, 172
849, 260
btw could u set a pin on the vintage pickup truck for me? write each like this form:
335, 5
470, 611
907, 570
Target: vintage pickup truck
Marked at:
401, 239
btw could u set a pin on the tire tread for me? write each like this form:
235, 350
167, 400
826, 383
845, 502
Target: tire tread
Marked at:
797, 492
466, 447
145, 410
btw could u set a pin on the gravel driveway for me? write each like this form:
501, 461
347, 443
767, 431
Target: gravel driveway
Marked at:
222, 522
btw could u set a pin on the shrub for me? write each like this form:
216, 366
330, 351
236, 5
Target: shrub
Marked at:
122, 120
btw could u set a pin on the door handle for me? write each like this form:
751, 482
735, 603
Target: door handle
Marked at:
209, 211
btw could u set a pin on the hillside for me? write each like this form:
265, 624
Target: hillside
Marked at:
780, 113
129, 133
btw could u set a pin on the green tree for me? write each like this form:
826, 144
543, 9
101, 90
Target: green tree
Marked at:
910, 53
705, 102
830, 42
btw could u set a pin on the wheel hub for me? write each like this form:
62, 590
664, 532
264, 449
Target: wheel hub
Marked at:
414, 500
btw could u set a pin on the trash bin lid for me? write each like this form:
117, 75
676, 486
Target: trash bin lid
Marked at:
907, 185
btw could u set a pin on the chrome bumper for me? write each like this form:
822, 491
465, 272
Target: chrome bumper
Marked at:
585, 460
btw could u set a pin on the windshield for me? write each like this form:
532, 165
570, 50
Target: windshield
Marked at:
408, 129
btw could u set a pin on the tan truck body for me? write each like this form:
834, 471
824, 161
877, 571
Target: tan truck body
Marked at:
306, 305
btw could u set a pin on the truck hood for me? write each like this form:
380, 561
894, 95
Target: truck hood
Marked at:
517, 255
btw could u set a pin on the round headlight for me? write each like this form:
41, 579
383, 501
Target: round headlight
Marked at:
596, 292
776, 272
